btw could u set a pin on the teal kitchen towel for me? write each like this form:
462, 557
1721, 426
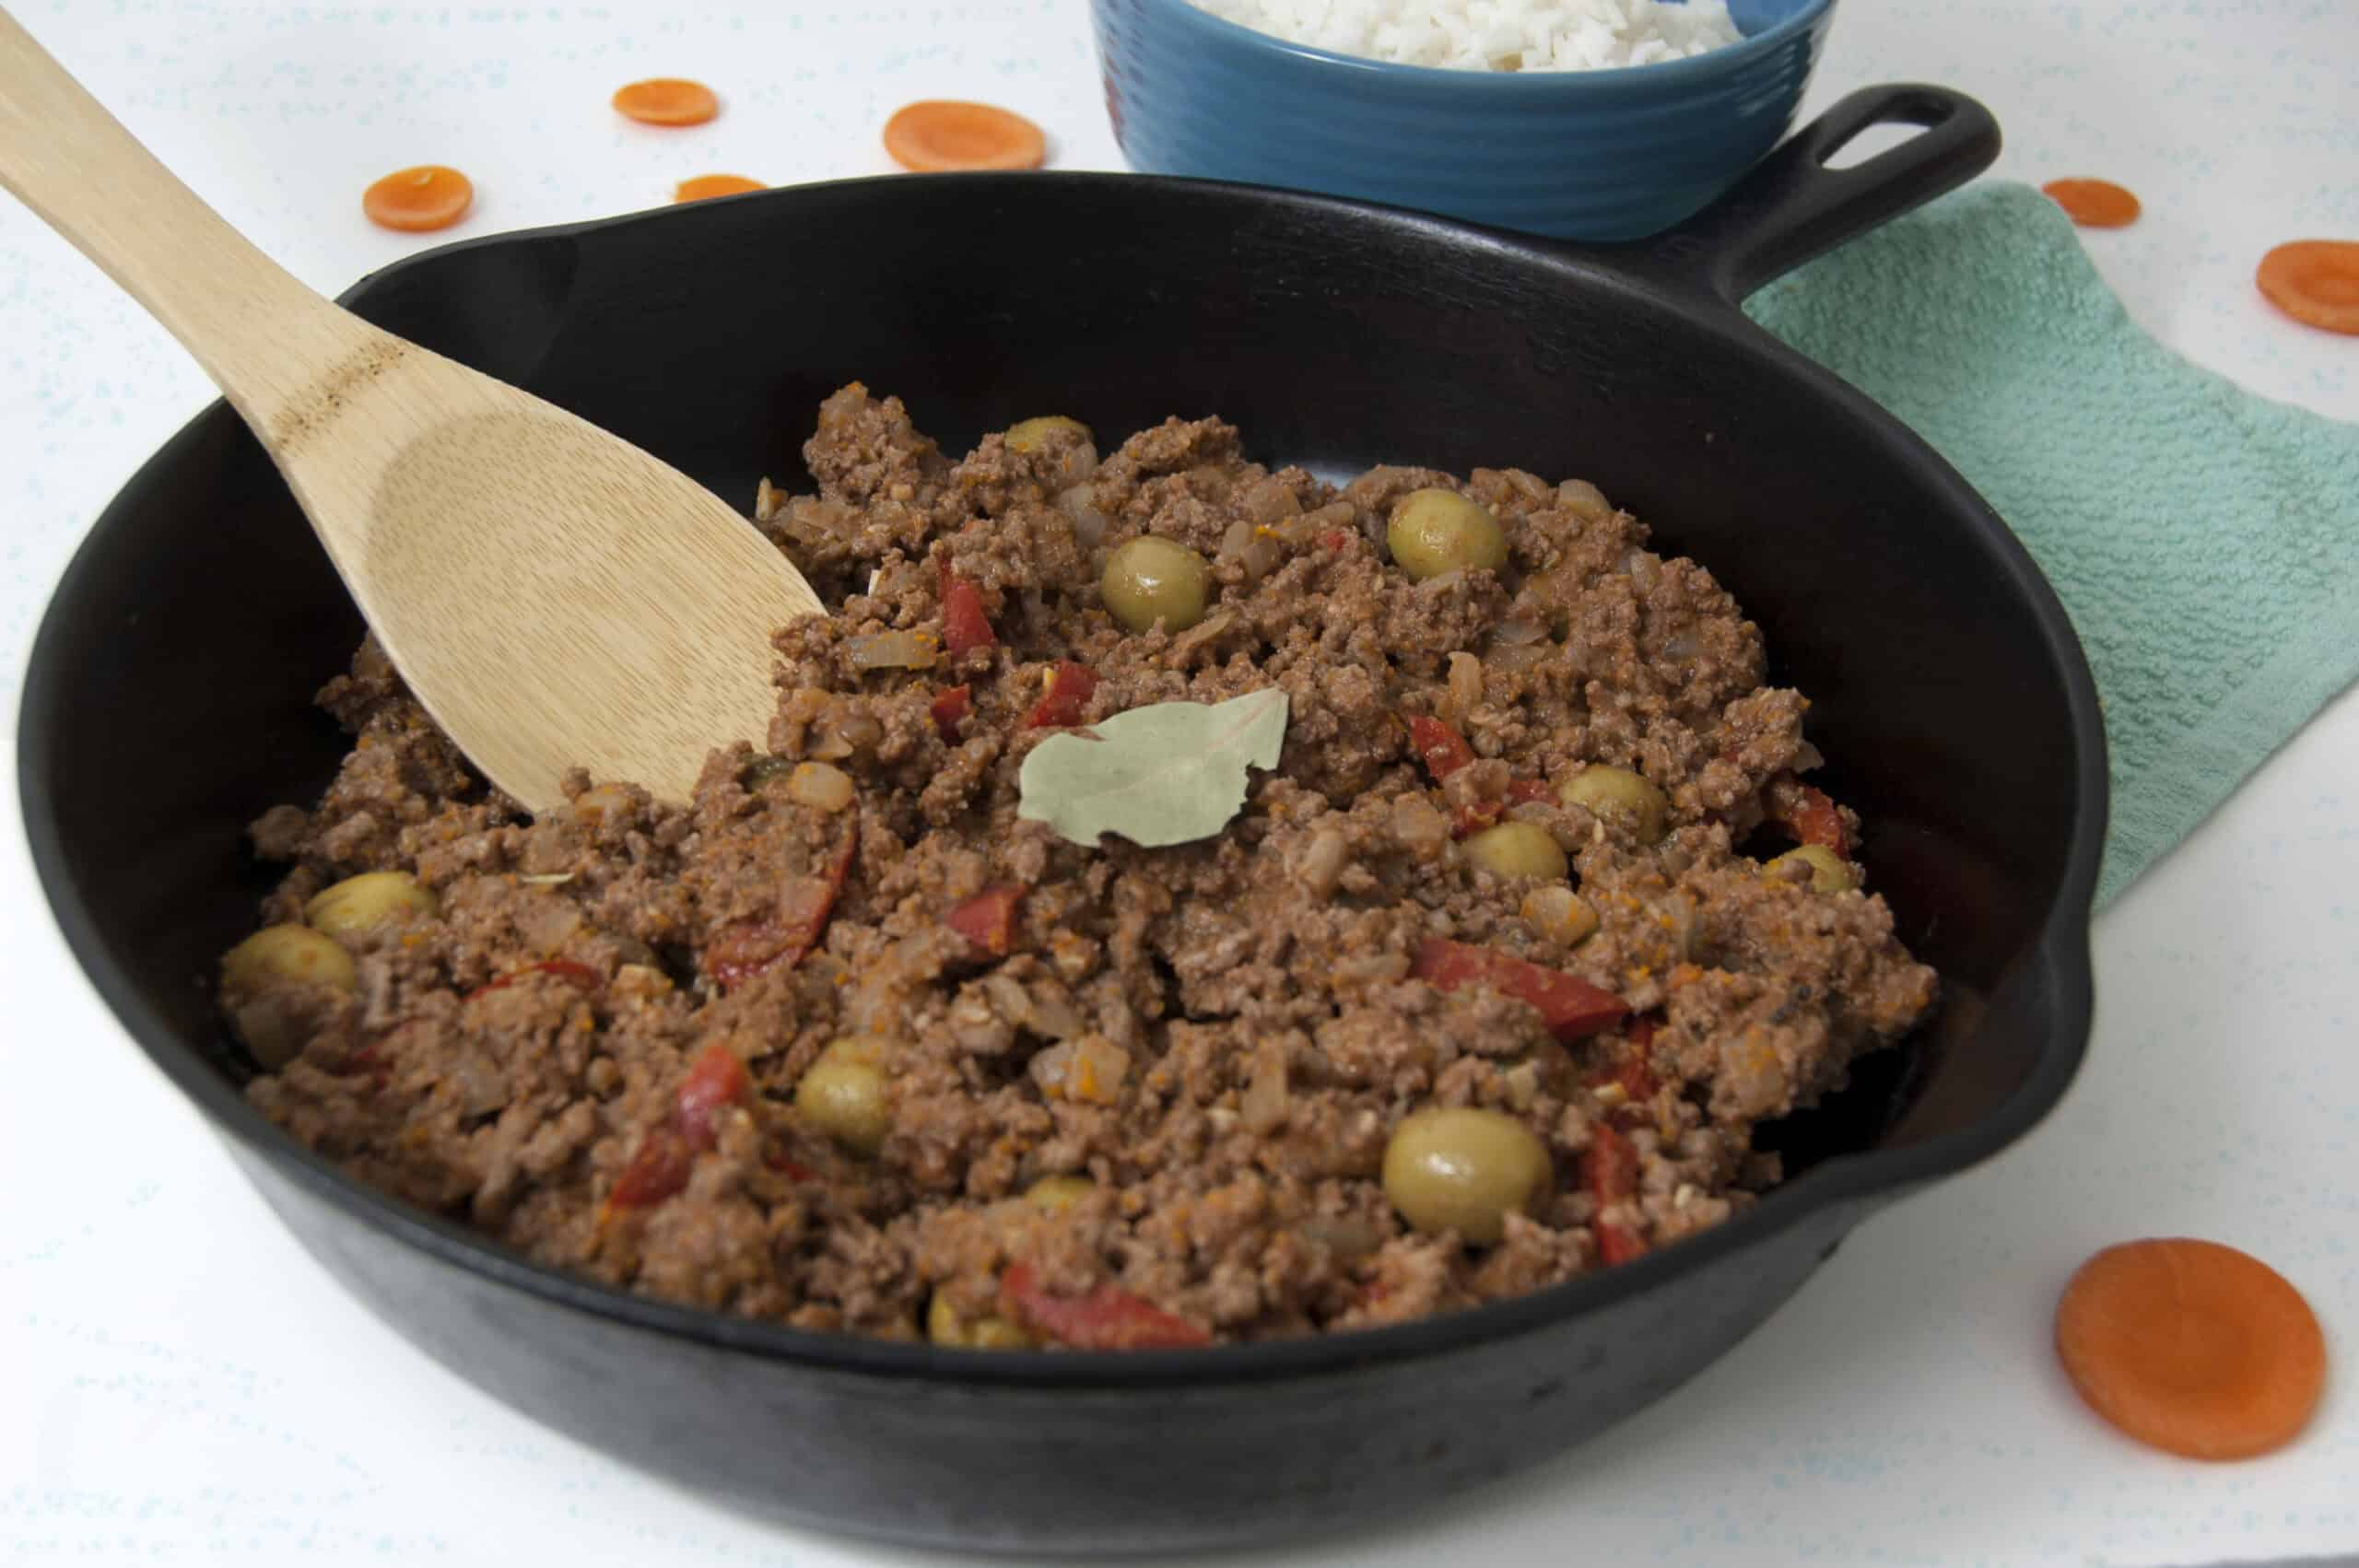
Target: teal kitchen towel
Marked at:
2204, 541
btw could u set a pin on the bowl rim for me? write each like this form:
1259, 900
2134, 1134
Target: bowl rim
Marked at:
1219, 32
1855, 1180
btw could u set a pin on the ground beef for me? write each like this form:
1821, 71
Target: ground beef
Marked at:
589, 1040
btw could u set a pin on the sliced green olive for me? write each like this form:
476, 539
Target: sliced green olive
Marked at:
1620, 796
843, 1091
944, 1327
1054, 1195
1460, 1169
285, 955
1829, 872
370, 899
1150, 579
1027, 435
1518, 848
1437, 530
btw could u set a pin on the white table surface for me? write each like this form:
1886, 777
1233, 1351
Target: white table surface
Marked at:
179, 1382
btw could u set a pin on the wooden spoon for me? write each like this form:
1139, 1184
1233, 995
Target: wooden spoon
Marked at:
554, 596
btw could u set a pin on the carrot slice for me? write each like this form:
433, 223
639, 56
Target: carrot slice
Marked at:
414, 200
667, 101
2191, 1347
2314, 281
706, 186
2095, 204
939, 135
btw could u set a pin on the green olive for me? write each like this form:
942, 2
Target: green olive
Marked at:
285, 955
1619, 795
1517, 849
944, 1327
1027, 435
1150, 579
1462, 1169
1437, 531
843, 1094
1829, 872
1054, 1195
370, 899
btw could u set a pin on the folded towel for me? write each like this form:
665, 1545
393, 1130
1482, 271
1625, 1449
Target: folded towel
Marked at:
2204, 541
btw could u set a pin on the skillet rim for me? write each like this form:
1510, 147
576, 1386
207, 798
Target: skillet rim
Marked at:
1860, 1180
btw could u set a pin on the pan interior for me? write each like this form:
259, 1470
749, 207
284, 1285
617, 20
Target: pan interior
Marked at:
1333, 338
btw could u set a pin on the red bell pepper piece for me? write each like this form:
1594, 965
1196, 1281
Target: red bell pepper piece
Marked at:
1610, 1171
988, 919
1614, 1243
659, 1169
1334, 538
1637, 1080
949, 709
660, 1166
1805, 813
1633, 1071
1524, 792
1610, 1166
565, 970
1570, 1005
753, 947
1445, 750
965, 628
1107, 1318
1071, 686
716, 1079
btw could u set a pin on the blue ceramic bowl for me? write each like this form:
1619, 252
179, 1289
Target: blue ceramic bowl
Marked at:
1581, 154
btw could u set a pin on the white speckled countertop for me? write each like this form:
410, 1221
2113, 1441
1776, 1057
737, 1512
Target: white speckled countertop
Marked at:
179, 1382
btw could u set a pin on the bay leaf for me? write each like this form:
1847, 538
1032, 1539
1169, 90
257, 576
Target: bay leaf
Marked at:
1167, 773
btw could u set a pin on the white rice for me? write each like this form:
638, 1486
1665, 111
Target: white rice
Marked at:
1493, 35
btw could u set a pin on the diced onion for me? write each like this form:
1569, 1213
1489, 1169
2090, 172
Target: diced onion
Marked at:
817, 784
1263, 1105
1089, 1069
1584, 499
545, 923
1347, 1237
1515, 633
1090, 524
1323, 861
1465, 683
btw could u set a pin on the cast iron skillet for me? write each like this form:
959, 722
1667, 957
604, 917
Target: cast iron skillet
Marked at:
168, 702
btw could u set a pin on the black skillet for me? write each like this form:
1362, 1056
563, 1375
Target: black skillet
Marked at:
168, 702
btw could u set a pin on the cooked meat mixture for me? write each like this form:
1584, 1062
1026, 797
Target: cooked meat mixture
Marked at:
1477, 993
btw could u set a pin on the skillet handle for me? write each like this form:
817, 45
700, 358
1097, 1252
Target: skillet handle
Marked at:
1790, 206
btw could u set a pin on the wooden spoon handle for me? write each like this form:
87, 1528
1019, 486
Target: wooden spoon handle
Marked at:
264, 338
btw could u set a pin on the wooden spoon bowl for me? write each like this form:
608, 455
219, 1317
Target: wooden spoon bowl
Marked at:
554, 596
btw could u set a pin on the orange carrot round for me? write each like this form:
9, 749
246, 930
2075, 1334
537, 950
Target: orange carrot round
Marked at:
2314, 281
414, 200
940, 134
667, 101
705, 186
2095, 204
2191, 1347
